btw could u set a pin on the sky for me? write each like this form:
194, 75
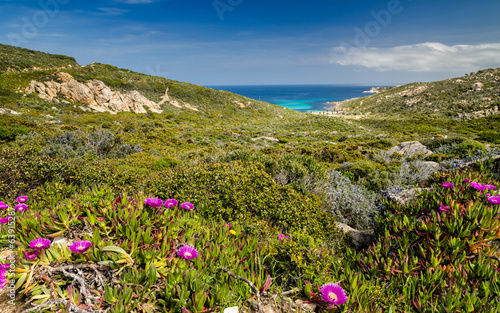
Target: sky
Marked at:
265, 42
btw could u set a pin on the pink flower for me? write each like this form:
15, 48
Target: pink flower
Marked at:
477, 186
187, 252
490, 187
187, 205
170, 203
31, 255
80, 246
21, 207
448, 185
282, 236
466, 180
39, 243
22, 199
154, 202
5, 220
333, 294
494, 200
444, 209
3, 205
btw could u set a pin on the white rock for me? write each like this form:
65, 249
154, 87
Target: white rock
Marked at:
233, 309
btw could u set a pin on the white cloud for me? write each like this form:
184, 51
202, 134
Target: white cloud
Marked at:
423, 57
111, 11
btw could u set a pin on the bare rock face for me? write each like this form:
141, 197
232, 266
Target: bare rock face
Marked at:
95, 94
477, 114
360, 239
409, 149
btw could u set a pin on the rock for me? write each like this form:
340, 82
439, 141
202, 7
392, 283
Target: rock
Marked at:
360, 239
233, 309
407, 196
426, 168
477, 114
477, 86
95, 94
305, 306
495, 167
266, 138
410, 148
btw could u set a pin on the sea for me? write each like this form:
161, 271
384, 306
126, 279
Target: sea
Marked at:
302, 98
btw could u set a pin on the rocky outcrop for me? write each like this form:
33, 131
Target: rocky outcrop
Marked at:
407, 196
477, 86
409, 149
360, 239
477, 114
96, 95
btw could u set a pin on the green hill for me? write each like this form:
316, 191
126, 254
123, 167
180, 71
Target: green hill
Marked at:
467, 94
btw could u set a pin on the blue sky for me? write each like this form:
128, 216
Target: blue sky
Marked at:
233, 42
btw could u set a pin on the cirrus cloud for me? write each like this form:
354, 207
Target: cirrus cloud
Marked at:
423, 57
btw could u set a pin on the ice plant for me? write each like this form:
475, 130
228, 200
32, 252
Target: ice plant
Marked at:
39, 243
494, 200
31, 255
170, 203
477, 186
187, 252
333, 294
154, 202
444, 209
448, 185
282, 236
187, 205
5, 266
466, 180
3, 205
80, 246
21, 207
5, 220
3, 278
490, 187
22, 199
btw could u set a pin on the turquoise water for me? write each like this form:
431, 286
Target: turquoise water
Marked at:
302, 98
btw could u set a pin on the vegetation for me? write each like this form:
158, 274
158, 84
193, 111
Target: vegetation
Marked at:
267, 185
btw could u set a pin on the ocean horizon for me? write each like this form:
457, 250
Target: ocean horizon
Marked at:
301, 98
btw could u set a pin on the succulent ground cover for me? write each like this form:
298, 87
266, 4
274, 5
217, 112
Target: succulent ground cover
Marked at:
137, 253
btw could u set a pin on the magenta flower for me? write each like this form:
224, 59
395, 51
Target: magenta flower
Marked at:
490, 187
31, 255
466, 180
282, 236
187, 252
22, 199
39, 243
80, 246
444, 209
333, 294
494, 200
3, 205
448, 185
477, 186
170, 203
5, 266
3, 278
5, 220
154, 202
187, 205
21, 207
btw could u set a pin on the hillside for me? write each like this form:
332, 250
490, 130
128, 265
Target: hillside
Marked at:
448, 98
